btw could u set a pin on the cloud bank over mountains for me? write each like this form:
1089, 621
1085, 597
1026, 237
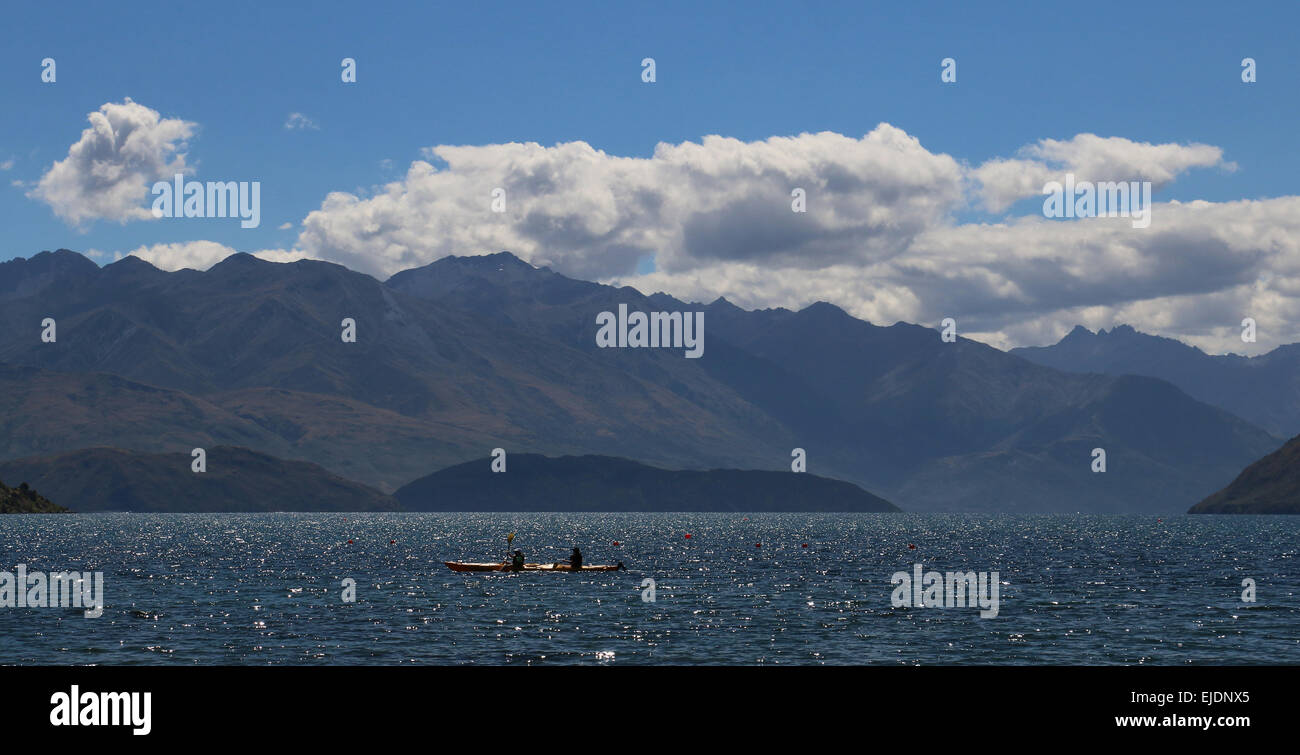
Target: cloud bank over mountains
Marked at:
886, 233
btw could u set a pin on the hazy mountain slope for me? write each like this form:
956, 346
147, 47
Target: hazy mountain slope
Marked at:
1264, 390
1162, 449
360, 442
951, 423
110, 479
44, 412
602, 483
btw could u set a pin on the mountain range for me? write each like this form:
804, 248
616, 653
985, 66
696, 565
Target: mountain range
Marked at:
468, 354
1264, 390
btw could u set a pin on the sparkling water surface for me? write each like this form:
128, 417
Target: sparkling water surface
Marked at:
268, 589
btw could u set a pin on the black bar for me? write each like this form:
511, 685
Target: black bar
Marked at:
298, 705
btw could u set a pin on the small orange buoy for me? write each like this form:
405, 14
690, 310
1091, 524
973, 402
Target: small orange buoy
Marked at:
349, 542
911, 547
805, 545
392, 542
615, 542
758, 545
688, 536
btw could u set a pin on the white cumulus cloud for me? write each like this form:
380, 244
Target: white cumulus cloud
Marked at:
1003, 181
108, 171
594, 214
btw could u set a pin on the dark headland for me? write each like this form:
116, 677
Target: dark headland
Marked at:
1269, 486
240, 480
24, 500
533, 482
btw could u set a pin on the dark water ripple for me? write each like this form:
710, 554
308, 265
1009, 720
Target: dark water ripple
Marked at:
266, 589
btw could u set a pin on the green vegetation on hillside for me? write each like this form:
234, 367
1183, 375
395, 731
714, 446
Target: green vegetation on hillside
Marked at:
24, 500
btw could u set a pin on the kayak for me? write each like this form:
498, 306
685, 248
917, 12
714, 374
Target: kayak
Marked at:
467, 566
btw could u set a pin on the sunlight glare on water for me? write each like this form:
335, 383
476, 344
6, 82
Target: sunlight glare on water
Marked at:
268, 589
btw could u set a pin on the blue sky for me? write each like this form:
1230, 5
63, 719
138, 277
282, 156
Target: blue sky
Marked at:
480, 74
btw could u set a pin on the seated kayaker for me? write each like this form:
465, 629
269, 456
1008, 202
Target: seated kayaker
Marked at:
517, 561
575, 560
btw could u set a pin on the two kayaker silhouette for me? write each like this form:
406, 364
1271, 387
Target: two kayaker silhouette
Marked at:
515, 562
574, 560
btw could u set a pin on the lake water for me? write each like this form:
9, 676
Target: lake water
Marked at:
268, 589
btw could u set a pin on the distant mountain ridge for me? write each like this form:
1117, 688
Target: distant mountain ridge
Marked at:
467, 354
1264, 390
603, 483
